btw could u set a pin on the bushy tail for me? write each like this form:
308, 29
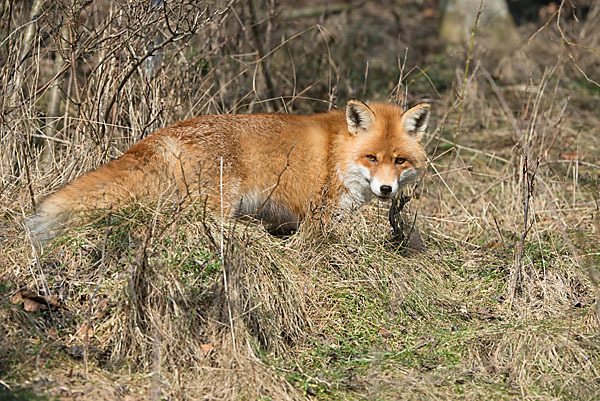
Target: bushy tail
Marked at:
94, 190
113, 184
147, 170
48, 222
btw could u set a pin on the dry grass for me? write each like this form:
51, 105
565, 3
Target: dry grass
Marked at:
144, 304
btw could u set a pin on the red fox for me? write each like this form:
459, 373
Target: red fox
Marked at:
273, 167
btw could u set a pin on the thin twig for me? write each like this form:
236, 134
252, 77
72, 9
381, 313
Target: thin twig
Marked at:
222, 255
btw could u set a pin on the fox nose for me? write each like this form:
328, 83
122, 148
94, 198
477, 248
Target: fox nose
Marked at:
385, 189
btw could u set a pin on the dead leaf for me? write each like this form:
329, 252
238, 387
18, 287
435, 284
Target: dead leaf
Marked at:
30, 305
383, 332
16, 298
33, 302
53, 301
81, 332
206, 348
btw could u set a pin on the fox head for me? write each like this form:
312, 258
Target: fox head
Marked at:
381, 152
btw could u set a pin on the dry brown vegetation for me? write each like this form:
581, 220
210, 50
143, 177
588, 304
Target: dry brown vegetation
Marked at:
161, 301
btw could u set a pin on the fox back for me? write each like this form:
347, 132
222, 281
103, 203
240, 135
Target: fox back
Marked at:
276, 168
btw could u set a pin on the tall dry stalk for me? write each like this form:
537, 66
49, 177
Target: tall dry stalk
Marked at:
54, 101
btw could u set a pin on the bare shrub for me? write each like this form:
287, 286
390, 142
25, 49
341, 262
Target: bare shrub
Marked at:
503, 303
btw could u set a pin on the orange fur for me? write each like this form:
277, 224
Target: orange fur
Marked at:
276, 167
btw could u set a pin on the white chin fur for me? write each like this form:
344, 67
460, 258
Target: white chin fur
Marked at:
361, 188
356, 182
407, 177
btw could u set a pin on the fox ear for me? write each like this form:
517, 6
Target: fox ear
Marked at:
359, 116
414, 121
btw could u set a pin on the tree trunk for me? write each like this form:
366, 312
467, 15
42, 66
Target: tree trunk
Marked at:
459, 17
10, 151
26, 45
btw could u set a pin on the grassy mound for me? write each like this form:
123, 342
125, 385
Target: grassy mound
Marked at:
166, 301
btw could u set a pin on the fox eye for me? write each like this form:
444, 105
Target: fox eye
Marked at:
400, 160
371, 158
